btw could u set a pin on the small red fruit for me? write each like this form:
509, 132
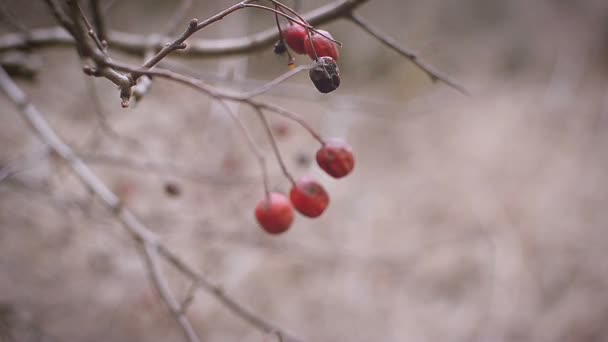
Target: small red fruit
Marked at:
309, 197
274, 214
336, 158
294, 36
323, 46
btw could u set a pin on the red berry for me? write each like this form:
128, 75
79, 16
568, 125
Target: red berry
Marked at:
336, 158
309, 197
294, 37
274, 214
323, 46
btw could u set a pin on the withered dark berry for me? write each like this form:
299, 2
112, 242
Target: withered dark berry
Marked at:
280, 48
325, 75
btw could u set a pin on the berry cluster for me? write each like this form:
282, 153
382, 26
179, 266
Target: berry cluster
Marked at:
275, 212
321, 48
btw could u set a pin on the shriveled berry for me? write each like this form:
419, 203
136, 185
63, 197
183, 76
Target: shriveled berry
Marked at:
336, 158
279, 48
325, 75
309, 197
274, 214
294, 36
323, 47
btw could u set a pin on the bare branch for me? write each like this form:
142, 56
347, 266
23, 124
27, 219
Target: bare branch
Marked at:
160, 282
220, 94
434, 74
252, 146
90, 31
138, 44
268, 86
144, 83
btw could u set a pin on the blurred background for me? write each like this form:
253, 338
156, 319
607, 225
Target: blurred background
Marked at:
477, 218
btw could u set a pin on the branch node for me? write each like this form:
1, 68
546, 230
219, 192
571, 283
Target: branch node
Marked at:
89, 70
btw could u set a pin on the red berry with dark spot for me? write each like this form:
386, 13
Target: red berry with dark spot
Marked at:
336, 158
322, 46
274, 214
309, 197
294, 36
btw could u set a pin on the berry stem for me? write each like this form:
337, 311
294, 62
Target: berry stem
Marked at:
252, 146
313, 48
301, 23
274, 144
278, 5
291, 116
290, 59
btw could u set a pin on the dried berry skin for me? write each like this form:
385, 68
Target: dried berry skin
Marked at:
279, 48
325, 75
336, 158
309, 197
322, 46
294, 36
274, 214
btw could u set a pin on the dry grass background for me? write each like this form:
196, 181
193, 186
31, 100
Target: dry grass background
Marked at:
478, 218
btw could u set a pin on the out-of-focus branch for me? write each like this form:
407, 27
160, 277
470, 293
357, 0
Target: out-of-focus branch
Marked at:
129, 220
21, 63
160, 282
138, 44
432, 72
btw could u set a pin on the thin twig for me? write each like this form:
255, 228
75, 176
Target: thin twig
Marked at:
290, 58
189, 298
275, 146
432, 72
144, 83
220, 94
294, 20
98, 21
268, 86
252, 146
90, 31
160, 283
203, 48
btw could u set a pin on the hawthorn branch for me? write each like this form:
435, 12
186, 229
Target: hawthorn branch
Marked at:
144, 83
219, 94
137, 44
434, 74
129, 220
